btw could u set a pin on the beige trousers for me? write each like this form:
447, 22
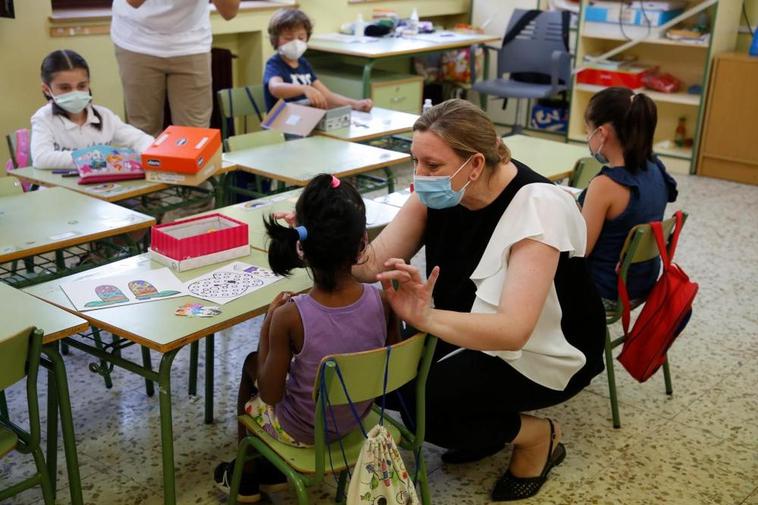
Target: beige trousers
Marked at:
146, 80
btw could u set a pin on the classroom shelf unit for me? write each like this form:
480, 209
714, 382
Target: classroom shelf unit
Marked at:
688, 61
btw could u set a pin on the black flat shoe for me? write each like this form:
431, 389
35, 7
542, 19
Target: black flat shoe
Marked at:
510, 487
460, 456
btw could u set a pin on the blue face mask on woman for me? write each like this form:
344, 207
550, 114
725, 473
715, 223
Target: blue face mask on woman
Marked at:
600, 157
436, 191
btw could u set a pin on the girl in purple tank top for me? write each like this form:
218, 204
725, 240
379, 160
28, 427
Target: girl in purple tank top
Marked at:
338, 315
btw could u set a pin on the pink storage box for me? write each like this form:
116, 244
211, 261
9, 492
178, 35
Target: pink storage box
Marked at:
199, 241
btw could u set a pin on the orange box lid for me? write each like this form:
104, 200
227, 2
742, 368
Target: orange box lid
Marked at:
182, 149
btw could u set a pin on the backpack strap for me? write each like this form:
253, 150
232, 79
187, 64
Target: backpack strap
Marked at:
252, 102
522, 23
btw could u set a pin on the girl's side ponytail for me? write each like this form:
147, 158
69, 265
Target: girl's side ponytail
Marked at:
638, 130
282, 250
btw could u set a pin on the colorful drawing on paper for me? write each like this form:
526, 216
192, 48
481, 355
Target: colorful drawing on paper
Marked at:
230, 282
197, 310
96, 293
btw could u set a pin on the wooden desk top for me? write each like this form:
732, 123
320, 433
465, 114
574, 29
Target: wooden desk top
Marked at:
296, 162
386, 47
19, 310
154, 324
109, 191
42, 221
554, 160
371, 125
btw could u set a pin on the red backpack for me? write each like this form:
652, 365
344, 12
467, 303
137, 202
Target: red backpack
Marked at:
666, 312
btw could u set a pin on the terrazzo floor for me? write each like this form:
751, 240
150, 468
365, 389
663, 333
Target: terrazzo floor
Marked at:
699, 446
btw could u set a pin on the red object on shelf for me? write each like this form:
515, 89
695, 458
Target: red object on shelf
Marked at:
631, 77
665, 83
198, 236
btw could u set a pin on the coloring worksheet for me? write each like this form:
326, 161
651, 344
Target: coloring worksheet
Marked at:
89, 294
230, 282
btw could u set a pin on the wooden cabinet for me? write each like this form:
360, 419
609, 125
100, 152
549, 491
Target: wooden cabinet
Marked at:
401, 92
729, 149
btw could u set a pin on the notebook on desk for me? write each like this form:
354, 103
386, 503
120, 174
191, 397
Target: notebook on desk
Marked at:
103, 163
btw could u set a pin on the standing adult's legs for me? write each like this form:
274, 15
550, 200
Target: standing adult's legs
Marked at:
143, 78
189, 90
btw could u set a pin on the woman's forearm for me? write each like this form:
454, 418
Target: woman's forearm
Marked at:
481, 332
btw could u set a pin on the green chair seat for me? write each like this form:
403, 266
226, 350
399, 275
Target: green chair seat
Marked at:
303, 459
8, 441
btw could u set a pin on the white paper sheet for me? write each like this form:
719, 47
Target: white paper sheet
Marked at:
101, 292
230, 282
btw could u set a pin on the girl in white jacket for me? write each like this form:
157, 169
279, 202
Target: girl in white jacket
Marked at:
70, 121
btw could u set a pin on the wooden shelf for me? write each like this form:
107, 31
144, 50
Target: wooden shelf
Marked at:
610, 31
679, 98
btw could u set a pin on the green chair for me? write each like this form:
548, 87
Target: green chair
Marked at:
19, 358
363, 373
247, 103
10, 186
584, 170
241, 182
639, 246
255, 139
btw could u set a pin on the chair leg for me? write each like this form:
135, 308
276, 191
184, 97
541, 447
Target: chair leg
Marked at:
667, 377
103, 368
3, 406
302, 492
147, 363
47, 487
423, 478
341, 483
243, 456
611, 380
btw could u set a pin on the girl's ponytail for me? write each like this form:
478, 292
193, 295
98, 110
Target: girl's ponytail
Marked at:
638, 130
282, 249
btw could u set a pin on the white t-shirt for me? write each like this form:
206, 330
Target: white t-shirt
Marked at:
54, 136
547, 214
163, 28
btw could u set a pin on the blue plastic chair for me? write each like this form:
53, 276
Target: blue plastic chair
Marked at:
539, 48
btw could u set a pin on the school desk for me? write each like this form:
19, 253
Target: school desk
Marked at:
296, 162
369, 50
54, 219
378, 215
554, 160
154, 325
19, 310
373, 125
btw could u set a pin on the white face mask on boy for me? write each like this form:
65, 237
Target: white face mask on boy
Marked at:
293, 49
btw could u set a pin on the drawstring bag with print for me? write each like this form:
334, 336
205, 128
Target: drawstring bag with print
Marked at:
379, 476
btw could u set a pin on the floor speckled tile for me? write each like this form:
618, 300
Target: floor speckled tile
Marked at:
697, 447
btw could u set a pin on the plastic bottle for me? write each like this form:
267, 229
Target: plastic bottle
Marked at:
680, 135
413, 21
427, 105
754, 46
359, 27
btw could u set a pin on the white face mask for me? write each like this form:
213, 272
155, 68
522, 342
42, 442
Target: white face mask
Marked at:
293, 49
73, 102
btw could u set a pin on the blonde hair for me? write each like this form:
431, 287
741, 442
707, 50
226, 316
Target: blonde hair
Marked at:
466, 129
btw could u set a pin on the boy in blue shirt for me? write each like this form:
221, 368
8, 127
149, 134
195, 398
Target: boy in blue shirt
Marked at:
288, 74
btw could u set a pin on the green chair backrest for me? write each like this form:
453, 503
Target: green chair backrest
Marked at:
255, 139
14, 351
584, 170
245, 102
363, 372
640, 244
10, 186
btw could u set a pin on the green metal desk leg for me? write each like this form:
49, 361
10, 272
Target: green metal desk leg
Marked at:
60, 263
3, 406
194, 351
485, 76
390, 180
367, 78
60, 394
209, 344
149, 388
104, 368
167, 430
52, 429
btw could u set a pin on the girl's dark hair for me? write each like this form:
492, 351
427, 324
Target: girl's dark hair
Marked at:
634, 118
288, 18
57, 61
336, 222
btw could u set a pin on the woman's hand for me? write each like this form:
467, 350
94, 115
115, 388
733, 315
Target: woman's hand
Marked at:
287, 216
412, 298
